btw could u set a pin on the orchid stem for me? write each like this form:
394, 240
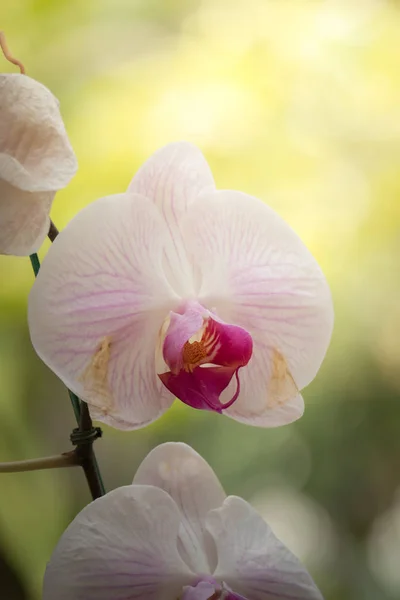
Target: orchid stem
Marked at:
35, 263
53, 232
84, 452
68, 459
7, 54
76, 405
87, 456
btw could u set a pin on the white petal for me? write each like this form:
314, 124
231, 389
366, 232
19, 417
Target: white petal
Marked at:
123, 546
98, 304
173, 178
190, 481
256, 404
35, 153
257, 273
252, 561
24, 219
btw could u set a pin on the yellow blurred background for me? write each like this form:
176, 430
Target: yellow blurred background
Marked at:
298, 103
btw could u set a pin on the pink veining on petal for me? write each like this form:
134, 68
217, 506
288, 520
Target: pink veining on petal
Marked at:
203, 354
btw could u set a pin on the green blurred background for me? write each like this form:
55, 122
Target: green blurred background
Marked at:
297, 103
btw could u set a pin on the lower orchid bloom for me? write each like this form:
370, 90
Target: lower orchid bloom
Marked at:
174, 289
172, 535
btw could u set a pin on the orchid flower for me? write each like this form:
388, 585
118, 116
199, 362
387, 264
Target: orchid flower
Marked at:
36, 160
173, 534
174, 289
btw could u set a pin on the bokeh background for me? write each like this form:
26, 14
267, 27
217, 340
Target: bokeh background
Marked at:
295, 102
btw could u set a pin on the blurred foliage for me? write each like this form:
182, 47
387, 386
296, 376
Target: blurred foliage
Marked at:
297, 102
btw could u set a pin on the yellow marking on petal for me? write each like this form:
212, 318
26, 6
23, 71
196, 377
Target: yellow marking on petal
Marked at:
282, 386
164, 469
94, 378
178, 471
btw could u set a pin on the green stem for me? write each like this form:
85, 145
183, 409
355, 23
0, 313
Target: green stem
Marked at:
88, 457
85, 452
35, 263
76, 405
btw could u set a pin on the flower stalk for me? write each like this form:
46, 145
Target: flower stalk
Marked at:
83, 437
67, 459
53, 232
7, 54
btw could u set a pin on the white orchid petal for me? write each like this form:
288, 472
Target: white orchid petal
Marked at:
123, 546
193, 485
252, 561
35, 153
256, 273
98, 304
24, 219
173, 178
252, 407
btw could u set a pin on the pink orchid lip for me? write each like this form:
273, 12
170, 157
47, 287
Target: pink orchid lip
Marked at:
204, 588
208, 585
203, 354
